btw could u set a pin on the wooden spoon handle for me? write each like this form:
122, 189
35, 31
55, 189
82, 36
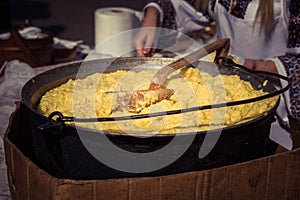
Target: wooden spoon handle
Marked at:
221, 46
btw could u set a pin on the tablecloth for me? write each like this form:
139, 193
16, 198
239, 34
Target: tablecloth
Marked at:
14, 74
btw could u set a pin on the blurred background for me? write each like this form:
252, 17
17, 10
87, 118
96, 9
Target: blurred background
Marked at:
66, 19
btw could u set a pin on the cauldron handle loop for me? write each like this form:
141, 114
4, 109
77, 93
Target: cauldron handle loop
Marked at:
55, 127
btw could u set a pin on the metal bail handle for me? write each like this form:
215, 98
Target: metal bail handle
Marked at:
225, 61
55, 127
228, 62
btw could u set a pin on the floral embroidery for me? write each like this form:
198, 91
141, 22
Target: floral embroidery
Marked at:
212, 4
294, 25
169, 21
292, 66
225, 4
240, 9
292, 62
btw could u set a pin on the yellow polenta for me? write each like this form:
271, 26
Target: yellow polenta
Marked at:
93, 97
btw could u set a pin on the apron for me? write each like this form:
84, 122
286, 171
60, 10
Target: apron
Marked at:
242, 32
245, 33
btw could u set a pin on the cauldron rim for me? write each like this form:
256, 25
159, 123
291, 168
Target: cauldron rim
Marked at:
32, 81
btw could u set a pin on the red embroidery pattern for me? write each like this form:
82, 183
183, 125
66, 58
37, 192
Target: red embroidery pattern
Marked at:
294, 25
292, 66
240, 9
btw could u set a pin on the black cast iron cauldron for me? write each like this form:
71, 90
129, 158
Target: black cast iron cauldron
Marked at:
60, 151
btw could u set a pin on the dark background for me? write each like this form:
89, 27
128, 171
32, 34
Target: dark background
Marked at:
66, 19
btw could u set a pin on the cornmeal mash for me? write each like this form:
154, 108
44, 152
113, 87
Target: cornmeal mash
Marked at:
94, 96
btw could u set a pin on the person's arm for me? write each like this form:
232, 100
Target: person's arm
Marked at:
291, 64
261, 65
291, 61
143, 41
157, 13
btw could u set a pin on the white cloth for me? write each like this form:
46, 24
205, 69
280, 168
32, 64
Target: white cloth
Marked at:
15, 75
242, 32
189, 19
245, 33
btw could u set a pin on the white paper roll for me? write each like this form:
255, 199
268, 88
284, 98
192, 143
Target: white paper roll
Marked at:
110, 24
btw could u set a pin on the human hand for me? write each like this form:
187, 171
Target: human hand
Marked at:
144, 39
143, 42
262, 65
